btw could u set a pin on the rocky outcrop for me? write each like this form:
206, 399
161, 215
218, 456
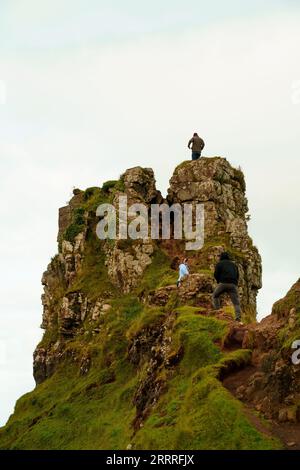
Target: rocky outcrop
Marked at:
196, 289
126, 266
214, 183
289, 306
70, 309
122, 339
140, 186
273, 384
126, 260
151, 350
65, 213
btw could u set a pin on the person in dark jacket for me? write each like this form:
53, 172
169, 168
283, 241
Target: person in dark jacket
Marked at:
227, 277
197, 146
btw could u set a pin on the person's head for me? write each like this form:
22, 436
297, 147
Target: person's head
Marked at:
224, 255
185, 260
195, 134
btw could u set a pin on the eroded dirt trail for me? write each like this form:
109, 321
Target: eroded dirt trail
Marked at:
287, 433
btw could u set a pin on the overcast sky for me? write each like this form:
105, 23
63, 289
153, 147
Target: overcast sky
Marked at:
88, 89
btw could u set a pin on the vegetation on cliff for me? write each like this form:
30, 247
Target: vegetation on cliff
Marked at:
127, 359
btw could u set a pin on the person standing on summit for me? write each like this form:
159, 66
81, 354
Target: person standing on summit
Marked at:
227, 277
197, 146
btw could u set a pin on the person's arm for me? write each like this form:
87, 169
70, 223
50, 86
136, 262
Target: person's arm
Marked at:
217, 272
190, 142
203, 144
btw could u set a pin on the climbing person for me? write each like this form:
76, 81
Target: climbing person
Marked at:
197, 146
227, 277
183, 271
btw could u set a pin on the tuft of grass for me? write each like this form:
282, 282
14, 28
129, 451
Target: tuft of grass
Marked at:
77, 225
197, 335
116, 185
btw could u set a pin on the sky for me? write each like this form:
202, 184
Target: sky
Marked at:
88, 89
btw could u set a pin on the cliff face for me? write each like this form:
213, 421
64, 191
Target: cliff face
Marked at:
221, 189
127, 359
67, 305
272, 385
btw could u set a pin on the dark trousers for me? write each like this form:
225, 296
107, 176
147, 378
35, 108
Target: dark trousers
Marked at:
233, 292
196, 155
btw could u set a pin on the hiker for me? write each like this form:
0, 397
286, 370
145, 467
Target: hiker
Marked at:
227, 277
197, 146
183, 271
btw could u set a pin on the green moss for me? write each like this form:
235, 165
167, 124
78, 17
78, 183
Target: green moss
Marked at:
93, 197
116, 185
77, 225
231, 362
49, 337
95, 411
159, 273
92, 278
90, 192
239, 176
149, 317
282, 307
197, 335
229, 310
109, 185
197, 412
82, 412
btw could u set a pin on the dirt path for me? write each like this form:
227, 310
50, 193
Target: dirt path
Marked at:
287, 433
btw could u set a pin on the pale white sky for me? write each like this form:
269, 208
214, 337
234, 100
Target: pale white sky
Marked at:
86, 92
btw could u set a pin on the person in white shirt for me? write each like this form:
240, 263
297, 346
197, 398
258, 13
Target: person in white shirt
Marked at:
183, 271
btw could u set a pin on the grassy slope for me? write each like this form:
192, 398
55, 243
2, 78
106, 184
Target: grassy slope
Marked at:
95, 411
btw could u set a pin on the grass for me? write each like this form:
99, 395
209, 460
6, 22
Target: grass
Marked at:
95, 411
77, 225
116, 185
159, 273
282, 308
92, 278
239, 176
197, 412
76, 412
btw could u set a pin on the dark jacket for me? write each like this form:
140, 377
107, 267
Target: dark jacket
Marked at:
226, 272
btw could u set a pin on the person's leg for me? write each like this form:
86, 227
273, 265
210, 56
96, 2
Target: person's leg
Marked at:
179, 280
182, 277
235, 299
196, 155
216, 296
